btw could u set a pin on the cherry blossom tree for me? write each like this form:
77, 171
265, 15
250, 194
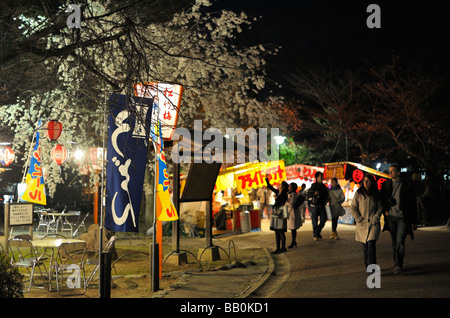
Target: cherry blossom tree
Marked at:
51, 71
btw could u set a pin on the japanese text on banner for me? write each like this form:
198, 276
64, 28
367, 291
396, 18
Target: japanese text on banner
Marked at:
254, 177
128, 130
35, 187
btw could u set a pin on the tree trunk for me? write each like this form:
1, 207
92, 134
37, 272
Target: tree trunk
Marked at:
365, 158
149, 185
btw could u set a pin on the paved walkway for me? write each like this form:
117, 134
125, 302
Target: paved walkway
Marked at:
327, 268
315, 269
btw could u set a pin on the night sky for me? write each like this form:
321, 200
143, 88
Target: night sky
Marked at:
334, 32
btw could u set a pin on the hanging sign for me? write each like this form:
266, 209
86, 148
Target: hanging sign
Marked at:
128, 131
168, 98
357, 173
253, 177
334, 171
306, 172
353, 172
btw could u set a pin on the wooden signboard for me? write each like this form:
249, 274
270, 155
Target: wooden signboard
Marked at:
20, 214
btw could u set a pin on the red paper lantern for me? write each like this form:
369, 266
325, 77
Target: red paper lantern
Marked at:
53, 129
380, 182
358, 175
7, 156
59, 154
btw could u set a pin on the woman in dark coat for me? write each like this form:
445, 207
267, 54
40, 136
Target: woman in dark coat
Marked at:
278, 223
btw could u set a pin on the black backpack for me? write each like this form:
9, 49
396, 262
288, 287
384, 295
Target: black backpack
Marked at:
299, 201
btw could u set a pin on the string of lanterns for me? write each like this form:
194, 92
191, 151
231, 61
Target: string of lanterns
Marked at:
59, 153
53, 130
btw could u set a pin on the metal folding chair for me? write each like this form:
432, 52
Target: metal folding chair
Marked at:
23, 254
68, 226
81, 225
70, 259
45, 221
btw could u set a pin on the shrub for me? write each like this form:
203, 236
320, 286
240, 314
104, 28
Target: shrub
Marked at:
11, 285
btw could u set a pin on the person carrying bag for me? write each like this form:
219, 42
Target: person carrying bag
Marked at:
278, 219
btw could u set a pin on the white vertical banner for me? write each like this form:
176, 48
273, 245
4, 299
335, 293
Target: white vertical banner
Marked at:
168, 99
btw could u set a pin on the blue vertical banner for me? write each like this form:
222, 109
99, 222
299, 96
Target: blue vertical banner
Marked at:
128, 134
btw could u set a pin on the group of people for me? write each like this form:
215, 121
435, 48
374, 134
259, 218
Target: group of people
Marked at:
397, 201
287, 213
394, 200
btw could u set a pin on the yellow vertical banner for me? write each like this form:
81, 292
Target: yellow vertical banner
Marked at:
164, 205
165, 210
35, 187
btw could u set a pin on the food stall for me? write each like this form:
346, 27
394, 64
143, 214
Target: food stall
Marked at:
350, 176
235, 186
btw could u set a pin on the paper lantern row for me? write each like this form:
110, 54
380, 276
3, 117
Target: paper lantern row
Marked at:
59, 153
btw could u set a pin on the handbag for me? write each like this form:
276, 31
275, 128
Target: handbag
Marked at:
280, 212
341, 211
314, 200
284, 213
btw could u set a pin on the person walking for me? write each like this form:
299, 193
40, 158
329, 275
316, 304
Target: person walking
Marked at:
278, 221
317, 197
337, 197
294, 220
400, 210
366, 208
302, 208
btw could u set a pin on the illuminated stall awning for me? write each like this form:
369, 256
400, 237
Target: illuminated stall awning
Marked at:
302, 172
353, 172
251, 175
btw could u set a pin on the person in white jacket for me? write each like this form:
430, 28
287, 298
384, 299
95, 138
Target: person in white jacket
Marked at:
367, 208
294, 220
